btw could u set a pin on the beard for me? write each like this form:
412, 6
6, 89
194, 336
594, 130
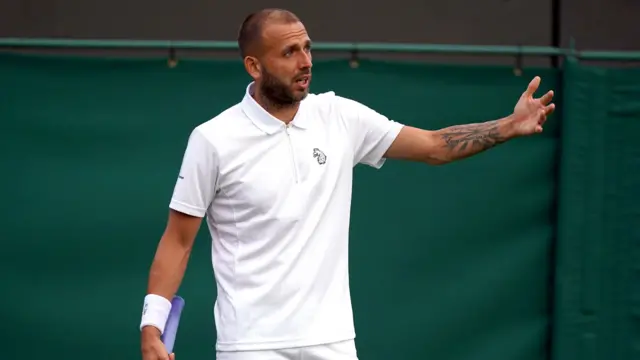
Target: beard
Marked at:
277, 92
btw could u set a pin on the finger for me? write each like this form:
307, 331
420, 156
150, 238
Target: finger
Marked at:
538, 129
546, 98
533, 86
172, 356
542, 115
542, 120
549, 109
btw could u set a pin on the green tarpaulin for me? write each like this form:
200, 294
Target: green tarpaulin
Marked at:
449, 263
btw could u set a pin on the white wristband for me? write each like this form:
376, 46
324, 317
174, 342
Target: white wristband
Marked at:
155, 312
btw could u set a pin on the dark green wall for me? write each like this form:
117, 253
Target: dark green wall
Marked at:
447, 263
598, 272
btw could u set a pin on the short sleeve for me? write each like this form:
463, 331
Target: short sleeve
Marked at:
197, 180
371, 133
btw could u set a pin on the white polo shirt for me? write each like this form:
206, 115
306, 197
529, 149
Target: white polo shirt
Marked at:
277, 201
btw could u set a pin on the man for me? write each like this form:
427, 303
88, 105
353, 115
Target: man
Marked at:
273, 177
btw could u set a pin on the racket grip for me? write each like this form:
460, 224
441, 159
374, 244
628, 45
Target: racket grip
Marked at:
171, 328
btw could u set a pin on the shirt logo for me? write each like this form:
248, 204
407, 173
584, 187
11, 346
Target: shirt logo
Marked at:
320, 156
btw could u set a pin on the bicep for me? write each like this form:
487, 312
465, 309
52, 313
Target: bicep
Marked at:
414, 144
182, 228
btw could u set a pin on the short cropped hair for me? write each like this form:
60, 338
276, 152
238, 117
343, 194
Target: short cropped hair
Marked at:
253, 25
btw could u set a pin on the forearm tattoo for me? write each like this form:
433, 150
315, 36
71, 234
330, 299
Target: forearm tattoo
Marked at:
472, 137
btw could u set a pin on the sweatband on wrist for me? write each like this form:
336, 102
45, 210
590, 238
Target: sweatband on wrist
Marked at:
155, 312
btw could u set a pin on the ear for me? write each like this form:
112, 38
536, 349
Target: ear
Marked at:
253, 67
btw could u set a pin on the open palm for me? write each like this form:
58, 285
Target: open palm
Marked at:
530, 114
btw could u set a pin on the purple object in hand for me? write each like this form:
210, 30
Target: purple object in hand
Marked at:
171, 328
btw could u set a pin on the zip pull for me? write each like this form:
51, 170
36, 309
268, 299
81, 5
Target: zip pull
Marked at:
293, 156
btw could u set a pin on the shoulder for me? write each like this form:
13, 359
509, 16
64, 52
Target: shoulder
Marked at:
330, 98
207, 139
319, 100
224, 127
223, 122
330, 103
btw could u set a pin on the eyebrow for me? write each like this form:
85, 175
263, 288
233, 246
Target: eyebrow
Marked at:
293, 46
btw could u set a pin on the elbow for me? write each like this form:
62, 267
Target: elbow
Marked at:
436, 162
436, 158
177, 241
420, 146
433, 152
171, 254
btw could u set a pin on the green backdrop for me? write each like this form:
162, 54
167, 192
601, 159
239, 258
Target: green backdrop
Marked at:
449, 263
598, 252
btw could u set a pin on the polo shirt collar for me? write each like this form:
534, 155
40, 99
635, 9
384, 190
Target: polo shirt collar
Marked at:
265, 121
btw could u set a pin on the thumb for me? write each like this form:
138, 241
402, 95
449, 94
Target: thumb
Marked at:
172, 356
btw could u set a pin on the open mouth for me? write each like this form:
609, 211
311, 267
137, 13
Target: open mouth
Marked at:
303, 81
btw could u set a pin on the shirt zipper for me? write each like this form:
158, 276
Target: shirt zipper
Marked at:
293, 156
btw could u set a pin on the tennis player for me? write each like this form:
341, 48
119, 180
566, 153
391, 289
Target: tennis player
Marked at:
272, 175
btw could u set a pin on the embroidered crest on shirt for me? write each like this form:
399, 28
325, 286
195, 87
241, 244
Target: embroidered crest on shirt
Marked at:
320, 156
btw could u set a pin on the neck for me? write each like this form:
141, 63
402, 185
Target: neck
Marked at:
282, 112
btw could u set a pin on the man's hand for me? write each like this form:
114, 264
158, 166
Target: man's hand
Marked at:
152, 346
530, 114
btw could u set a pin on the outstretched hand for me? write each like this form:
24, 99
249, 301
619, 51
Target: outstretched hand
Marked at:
530, 114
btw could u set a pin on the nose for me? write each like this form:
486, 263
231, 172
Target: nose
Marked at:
305, 61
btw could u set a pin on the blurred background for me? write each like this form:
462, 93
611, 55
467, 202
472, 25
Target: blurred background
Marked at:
529, 251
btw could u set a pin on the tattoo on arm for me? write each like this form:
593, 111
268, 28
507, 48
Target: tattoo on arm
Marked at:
472, 138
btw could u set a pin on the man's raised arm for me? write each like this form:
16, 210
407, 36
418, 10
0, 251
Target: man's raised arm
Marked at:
461, 141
